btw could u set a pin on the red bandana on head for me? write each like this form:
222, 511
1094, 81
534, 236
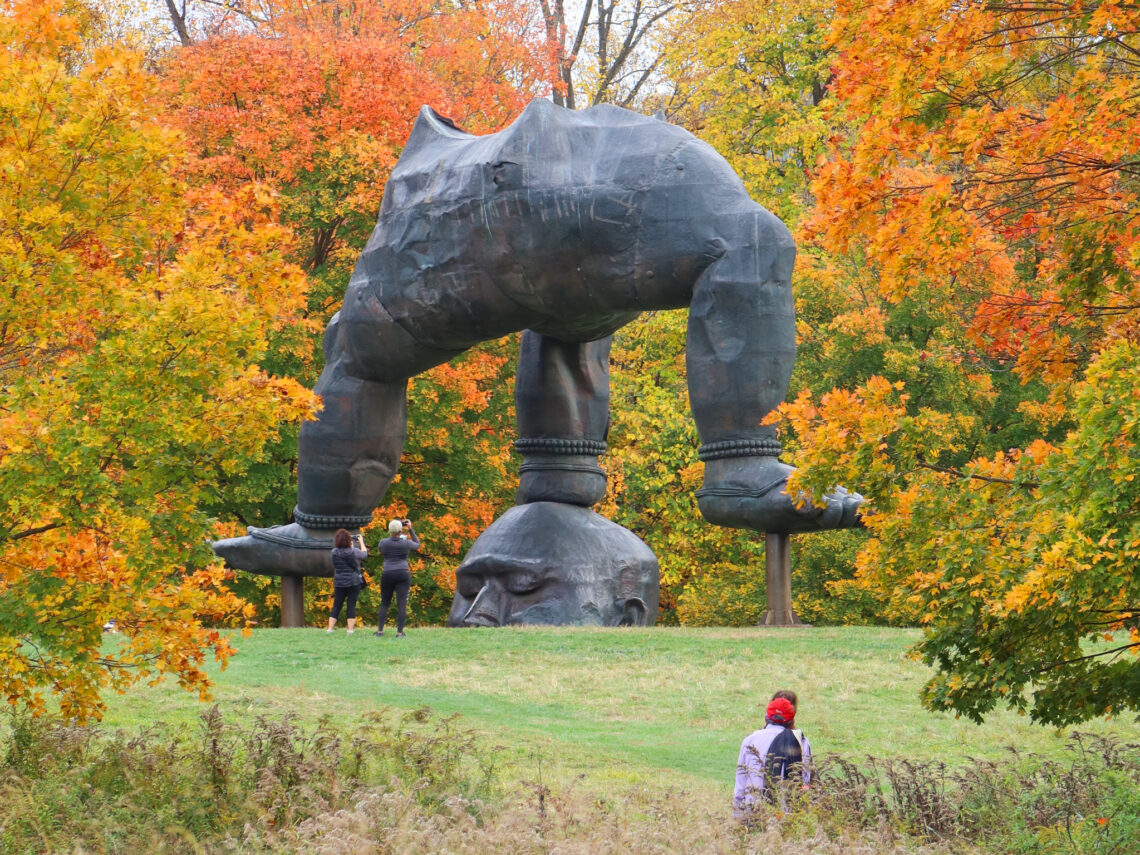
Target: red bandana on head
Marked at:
781, 711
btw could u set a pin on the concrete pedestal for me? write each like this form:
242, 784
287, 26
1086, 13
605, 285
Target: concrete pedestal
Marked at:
292, 601
778, 571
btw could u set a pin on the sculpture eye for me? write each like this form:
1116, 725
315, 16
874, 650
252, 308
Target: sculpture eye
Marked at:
469, 586
523, 582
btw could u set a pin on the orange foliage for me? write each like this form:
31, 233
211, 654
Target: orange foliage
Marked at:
319, 99
993, 161
134, 311
982, 174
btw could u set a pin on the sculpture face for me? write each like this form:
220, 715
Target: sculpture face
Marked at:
527, 570
510, 590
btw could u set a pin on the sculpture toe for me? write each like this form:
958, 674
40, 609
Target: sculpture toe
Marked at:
751, 493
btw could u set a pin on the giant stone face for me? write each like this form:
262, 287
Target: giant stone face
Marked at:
547, 563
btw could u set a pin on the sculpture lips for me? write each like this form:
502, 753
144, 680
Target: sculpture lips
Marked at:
480, 620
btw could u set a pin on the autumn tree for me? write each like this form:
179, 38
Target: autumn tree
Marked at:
135, 309
989, 180
317, 101
599, 52
750, 77
609, 54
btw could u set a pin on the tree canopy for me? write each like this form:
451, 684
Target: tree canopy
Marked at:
179, 212
135, 308
964, 181
987, 174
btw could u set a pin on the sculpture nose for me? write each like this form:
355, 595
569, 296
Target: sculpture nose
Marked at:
487, 610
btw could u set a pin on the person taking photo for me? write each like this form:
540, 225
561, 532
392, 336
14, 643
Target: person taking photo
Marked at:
347, 576
397, 576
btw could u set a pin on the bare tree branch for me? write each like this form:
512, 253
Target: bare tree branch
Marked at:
178, 19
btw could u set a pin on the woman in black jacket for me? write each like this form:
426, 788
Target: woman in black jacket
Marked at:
347, 577
397, 576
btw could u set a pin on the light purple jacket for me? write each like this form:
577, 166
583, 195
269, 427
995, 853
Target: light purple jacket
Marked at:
750, 767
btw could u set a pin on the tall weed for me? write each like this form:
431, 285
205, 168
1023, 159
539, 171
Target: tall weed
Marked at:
421, 783
1087, 803
71, 789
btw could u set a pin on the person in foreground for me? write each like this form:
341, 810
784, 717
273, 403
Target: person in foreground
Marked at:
347, 576
769, 757
397, 575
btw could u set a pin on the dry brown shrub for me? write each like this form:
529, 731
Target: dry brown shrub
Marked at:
570, 822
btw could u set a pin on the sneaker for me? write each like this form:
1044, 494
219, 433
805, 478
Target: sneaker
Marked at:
400, 635
379, 633
349, 631
329, 630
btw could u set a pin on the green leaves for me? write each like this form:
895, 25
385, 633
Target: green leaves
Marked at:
134, 309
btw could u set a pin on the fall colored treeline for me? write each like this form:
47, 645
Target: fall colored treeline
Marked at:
184, 188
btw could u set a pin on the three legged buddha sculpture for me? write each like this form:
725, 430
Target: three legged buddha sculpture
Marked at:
565, 225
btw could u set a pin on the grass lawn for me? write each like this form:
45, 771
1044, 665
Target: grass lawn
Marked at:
660, 706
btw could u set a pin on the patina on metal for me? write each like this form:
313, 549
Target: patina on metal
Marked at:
549, 563
566, 225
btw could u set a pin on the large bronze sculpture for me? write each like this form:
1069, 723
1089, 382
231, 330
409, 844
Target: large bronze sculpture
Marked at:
566, 225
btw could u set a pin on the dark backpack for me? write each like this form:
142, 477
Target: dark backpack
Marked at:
785, 759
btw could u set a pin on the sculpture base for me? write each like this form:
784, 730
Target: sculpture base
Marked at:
782, 619
292, 601
778, 576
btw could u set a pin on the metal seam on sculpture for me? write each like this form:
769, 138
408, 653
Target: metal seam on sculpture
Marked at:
292, 542
322, 521
562, 467
740, 448
543, 445
735, 492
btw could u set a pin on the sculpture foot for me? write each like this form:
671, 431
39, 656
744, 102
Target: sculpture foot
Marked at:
749, 492
281, 550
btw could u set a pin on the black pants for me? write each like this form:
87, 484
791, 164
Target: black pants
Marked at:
398, 581
340, 595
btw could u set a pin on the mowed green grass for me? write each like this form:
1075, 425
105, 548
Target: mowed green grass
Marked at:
659, 706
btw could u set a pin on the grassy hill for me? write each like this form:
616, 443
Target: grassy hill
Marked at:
618, 706
556, 740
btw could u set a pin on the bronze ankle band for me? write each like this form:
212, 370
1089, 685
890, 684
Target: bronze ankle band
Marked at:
553, 445
323, 521
740, 448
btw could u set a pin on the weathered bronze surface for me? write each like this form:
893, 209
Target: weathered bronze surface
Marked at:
566, 225
516, 572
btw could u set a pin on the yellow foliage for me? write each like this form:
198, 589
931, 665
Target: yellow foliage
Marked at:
136, 311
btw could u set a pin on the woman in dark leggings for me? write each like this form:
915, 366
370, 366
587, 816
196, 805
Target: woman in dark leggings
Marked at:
347, 577
397, 577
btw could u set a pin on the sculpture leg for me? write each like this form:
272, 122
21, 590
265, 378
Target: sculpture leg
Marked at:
562, 402
346, 460
348, 457
551, 560
740, 352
